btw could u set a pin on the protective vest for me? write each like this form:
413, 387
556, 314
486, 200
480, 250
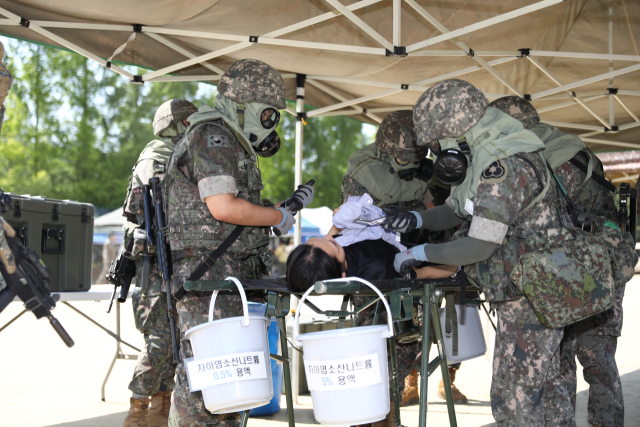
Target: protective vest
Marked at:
189, 222
374, 172
159, 151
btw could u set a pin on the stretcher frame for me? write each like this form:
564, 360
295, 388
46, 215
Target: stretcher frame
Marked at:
401, 293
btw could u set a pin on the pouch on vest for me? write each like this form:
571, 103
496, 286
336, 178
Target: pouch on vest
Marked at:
621, 248
565, 273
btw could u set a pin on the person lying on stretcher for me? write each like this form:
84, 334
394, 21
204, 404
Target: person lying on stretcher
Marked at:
353, 249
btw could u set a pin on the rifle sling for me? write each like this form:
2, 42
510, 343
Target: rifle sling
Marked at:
210, 260
597, 178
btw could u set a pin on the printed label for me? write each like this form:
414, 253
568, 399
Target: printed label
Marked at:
204, 373
468, 206
357, 372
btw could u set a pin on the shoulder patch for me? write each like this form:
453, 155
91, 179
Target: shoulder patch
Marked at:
495, 173
217, 141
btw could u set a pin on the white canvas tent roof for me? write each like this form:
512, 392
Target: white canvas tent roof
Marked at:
578, 49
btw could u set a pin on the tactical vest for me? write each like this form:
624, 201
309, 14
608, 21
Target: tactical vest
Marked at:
189, 222
493, 273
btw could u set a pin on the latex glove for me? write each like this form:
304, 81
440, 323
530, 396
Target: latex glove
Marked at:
406, 261
287, 222
301, 198
401, 221
6, 256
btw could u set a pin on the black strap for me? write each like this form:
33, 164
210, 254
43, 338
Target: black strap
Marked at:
597, 178
210, 260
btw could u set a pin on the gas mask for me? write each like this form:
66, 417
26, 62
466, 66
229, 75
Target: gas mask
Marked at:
450, 166
258, 122
421, 170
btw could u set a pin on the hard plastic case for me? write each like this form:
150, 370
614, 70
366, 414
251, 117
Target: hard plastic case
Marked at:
61, 233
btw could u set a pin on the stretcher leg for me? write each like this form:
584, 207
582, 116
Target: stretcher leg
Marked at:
244, 419
424, 364
437, 328
394, 379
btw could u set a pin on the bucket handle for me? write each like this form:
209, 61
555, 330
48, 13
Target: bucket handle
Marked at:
245, 309
388, 334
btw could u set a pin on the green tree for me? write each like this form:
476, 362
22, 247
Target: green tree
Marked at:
328, 143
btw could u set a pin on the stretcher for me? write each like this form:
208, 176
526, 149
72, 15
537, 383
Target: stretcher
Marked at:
401, 294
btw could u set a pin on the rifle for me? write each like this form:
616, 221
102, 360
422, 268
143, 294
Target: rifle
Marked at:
30, 282
121, 273
162, 251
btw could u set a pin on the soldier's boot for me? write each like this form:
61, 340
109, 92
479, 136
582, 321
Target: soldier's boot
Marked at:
458, 397
410, 394
137, 416
159, 409
389, 421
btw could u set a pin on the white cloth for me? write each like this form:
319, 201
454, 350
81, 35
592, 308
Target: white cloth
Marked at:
361, 207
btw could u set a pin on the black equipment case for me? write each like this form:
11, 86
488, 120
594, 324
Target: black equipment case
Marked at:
61, 233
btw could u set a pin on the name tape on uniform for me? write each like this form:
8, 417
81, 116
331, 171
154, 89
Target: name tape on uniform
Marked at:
342, 374
205, 373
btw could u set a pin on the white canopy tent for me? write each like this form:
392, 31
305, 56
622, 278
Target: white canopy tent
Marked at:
577, 60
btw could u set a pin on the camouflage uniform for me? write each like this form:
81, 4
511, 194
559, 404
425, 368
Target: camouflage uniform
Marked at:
593, 340
394, 139
526, 356
155, 368
211, 160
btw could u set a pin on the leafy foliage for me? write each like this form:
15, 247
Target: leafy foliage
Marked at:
73, 130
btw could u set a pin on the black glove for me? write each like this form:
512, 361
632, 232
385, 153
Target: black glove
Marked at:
397, 220
301, 198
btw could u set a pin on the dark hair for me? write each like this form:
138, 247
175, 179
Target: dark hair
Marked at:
308, 264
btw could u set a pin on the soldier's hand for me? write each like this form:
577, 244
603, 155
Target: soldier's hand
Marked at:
405, 262
6, 256
301, 198
401, 221
287, 222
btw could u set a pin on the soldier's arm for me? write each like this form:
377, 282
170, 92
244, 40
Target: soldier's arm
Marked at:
215, 163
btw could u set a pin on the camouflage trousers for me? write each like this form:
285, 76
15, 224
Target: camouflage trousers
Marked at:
594, 342
187, 409
155, 368
406, 354
526, 370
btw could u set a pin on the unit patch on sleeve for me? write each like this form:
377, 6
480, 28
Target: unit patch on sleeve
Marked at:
217, 141
495, 173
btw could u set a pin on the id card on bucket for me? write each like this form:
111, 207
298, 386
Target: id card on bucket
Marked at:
342, 374
205, 373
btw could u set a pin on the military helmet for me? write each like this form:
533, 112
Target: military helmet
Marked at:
518, 108
250, 80
395, 137
170, 112
447, 110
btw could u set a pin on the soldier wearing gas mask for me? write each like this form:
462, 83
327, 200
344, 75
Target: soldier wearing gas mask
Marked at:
498, 182
393, 170
152, 382
212, 187
593, 340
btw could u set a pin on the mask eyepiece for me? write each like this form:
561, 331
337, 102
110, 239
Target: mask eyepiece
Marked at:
269, 118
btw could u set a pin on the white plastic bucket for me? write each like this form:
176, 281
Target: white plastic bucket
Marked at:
471, 341
354, 388
228, 337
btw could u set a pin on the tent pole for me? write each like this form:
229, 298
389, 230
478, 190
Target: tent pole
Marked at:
612, 118
300, 81
567, 104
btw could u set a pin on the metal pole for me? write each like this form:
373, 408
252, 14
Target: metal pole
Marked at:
300, 80
424, 363
287, 373
611, 99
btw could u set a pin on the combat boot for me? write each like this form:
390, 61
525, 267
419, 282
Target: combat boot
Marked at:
410, 394
137, 416
458, 397
389, 421
159, 409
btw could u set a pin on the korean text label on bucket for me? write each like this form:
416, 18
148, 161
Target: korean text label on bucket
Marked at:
342, 374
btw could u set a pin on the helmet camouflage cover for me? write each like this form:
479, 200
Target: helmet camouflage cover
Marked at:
447, 110
250, 80
518, 108
171, 112
395, 137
